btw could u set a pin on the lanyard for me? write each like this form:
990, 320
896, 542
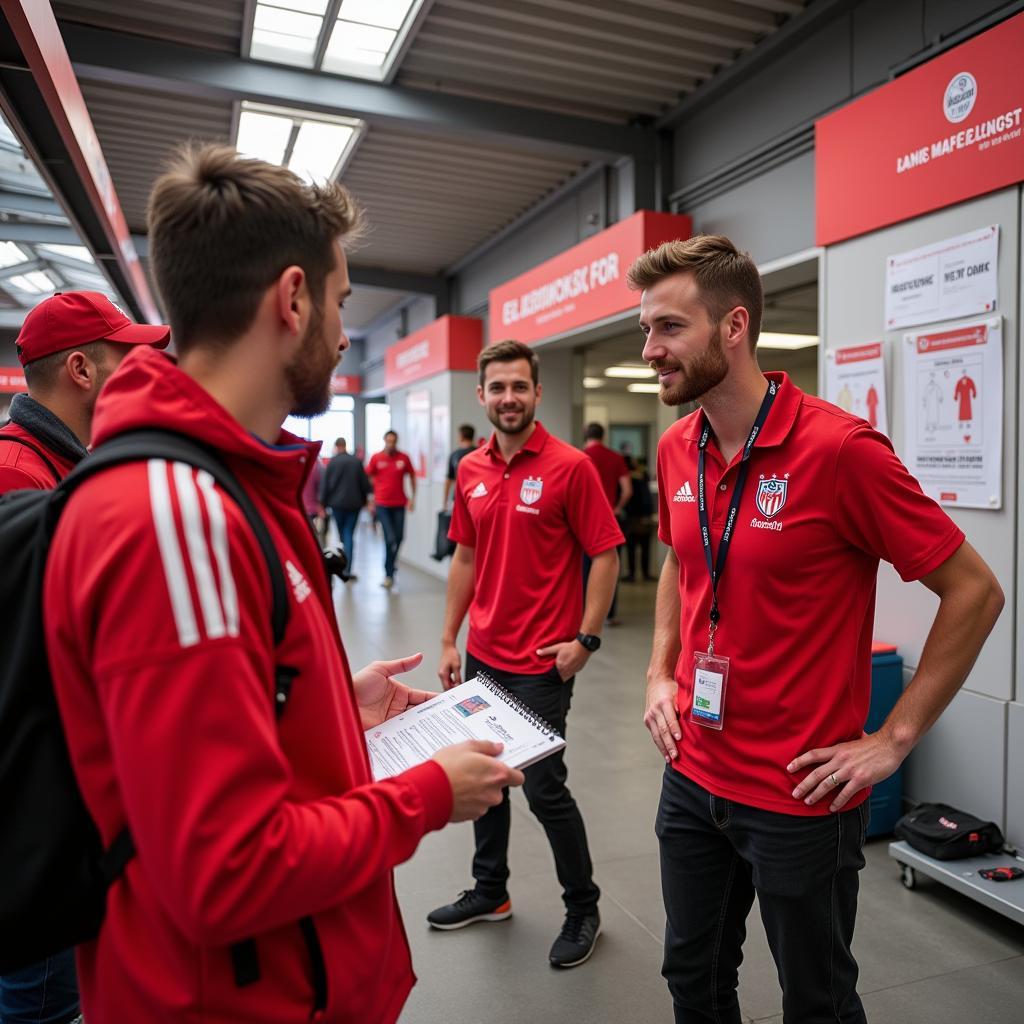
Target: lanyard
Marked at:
715, 571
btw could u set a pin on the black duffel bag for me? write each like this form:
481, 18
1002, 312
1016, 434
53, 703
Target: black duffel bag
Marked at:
443, 547
945, 833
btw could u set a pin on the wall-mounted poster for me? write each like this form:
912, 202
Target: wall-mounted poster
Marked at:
954, 278
855, 381
417, 427
954, 413
440, 442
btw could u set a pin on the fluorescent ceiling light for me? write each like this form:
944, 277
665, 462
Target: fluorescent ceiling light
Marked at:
11, 255
314, 146
787, 341
644, 389
74, 252
36, 282
593, 382
630, 371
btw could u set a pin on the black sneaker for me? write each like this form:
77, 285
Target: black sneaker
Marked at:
576, 941
470, 907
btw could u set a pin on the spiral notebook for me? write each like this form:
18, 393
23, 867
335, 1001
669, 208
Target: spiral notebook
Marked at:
479, 709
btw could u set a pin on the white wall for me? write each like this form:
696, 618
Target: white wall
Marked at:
963, 760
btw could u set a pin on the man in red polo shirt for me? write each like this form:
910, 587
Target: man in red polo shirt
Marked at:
388, 469
777, 508
527, 507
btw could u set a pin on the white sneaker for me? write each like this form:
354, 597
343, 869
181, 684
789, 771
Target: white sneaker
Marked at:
389, 582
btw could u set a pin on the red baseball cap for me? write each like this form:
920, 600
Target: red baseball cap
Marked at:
69, 319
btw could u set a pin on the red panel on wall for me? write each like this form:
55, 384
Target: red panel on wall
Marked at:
12, 380
582, 285
449, 343
944, 132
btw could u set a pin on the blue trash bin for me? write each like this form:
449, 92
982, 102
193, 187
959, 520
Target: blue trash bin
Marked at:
886, 687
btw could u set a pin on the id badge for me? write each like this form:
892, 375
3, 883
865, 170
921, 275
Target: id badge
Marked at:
710, 676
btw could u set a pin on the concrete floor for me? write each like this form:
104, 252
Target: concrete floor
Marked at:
927, 957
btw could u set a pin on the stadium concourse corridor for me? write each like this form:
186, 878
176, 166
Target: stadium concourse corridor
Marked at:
926, 957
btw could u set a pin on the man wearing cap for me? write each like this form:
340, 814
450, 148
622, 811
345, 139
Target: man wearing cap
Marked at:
69, 345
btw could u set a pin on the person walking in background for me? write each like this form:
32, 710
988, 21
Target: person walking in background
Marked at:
467, 443
344, 489
69, 345
311, 501
613, 471
389, 469
639, 512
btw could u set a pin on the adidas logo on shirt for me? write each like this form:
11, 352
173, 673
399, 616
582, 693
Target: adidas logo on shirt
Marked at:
479, 491
684, 493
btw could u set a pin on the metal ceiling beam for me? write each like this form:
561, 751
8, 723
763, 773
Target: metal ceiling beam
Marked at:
30, 205
100, 55
44, 106
52, 234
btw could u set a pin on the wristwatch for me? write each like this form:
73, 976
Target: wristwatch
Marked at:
589, 641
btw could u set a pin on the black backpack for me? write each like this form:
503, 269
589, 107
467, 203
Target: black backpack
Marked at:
55, 872
945, 833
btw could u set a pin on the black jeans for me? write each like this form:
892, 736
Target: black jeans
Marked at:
715, 854
548, 797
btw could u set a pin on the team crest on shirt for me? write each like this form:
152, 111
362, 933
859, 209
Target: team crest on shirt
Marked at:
771, 495
531, 490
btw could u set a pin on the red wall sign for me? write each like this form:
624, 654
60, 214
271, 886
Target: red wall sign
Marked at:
12, 380
858, 353
346, 384
944, 132
449, 343
966, 337
582, 285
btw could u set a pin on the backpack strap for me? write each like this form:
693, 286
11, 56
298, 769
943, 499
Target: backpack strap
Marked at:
143, 445
42, 455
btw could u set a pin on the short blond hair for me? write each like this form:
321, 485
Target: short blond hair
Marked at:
222, 228
725, 277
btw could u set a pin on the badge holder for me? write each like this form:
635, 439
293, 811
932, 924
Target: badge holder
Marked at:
710, 678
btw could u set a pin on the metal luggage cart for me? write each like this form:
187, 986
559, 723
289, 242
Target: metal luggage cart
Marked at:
1006, 898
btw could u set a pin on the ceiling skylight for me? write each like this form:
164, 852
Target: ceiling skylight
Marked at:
36, 282
361, 38
11, 255
74, 252
314, 146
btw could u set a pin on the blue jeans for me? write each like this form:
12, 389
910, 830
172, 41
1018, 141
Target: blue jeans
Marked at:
45, 993
392, 522
715, 854
345, 519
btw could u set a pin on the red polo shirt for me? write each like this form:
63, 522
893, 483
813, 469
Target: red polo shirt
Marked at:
530, 520
387, 472
611, 468
825, 499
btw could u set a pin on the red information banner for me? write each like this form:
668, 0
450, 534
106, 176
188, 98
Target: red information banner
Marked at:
942, 133
12, 380
449, 343
858, 353
346, 384
967, 337
582, 285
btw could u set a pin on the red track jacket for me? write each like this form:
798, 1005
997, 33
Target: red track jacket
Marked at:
20, 467
157, 607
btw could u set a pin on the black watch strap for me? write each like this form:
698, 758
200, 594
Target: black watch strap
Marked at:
589, 641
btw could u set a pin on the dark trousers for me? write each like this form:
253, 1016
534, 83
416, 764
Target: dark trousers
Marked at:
45, 993
638, 542
548, 797
345, 519
715, 854
392, 522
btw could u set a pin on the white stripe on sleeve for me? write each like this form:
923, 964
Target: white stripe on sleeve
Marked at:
219, 536
170, 553
198, 551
